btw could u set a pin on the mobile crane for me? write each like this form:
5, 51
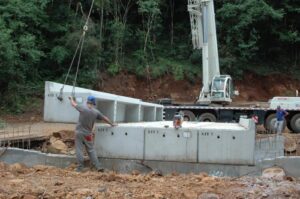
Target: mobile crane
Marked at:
218, 89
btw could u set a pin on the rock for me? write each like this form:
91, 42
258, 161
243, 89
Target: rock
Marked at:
102, 189
274, 173
40, 167
27, 196
289, 178
3, 166
72, 152
208, 196
290, 145
156, 172
83, 191
69, 196
57, 146
58, 183
18, 167
64, 135
14, 196
135, 172
16, 181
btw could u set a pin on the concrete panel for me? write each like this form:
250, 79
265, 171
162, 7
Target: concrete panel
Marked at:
119, 142
117, 108
61, 111
132, 113
108, 108
159, 114
120, 110
148, 114
204, 142
169, 144
227, 146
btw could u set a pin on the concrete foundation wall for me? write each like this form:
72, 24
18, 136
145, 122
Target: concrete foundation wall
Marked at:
31, 158
117, 108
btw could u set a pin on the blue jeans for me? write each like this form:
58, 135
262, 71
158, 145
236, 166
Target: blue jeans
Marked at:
279, 126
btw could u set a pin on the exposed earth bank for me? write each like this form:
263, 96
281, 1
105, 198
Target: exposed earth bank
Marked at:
251, 88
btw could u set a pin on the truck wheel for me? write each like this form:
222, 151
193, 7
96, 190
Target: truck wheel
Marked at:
270, 123
188, 115
288, 125
207, 117
295, 123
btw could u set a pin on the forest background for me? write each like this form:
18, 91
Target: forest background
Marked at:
146, 38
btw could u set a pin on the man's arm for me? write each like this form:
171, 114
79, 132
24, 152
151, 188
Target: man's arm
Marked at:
285, 113
108, 121
73, 103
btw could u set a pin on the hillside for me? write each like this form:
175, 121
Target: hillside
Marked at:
251, 88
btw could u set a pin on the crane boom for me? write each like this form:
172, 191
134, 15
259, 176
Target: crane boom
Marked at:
203, 27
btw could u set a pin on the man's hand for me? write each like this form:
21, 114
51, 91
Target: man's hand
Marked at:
73, 103
113, 124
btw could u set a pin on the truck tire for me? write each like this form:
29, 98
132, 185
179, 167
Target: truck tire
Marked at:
188, 115
207, 117
270, 123
295, 123
288, 125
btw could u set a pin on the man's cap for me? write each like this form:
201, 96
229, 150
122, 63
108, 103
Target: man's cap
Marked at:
278, 107
91, 99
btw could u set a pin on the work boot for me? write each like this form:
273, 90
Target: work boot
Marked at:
79, 169
100, 169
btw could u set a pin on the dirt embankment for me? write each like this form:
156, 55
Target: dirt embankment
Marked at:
251, 88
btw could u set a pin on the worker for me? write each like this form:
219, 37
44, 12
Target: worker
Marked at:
280, 117
84, 131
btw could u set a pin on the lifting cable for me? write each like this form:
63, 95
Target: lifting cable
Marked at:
79, 45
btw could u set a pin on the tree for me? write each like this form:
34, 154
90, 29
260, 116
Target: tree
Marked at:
20, 48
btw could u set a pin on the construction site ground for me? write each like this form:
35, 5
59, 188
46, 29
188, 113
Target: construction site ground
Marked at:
19, 181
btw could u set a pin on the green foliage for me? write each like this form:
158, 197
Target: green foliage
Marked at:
38, 40
20, 48
2, 124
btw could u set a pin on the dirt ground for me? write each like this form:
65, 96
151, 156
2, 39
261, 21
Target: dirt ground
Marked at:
18, 181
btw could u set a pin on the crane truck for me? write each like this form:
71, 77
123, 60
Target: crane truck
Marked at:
218, 89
